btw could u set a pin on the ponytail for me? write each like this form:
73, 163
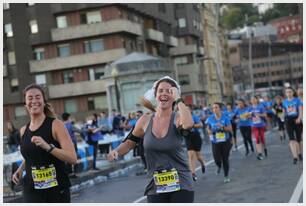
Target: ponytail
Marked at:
49, 111
147, 104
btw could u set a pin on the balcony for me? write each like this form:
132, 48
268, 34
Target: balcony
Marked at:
187, 49
155, 35
4, 70
77, 88
87, 30
76, 60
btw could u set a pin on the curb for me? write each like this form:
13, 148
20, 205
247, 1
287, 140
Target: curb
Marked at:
90, 178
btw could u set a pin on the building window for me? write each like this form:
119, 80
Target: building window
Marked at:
39, 53
8, 30
68, 77
184, 79
99, 73
14, 85
94, 45
11, 58
96, 73
63, 50
6, 6
71, 106
90, 103
40, 79
20, 111
182, 22
61, 21
91, 17
33, 26
99, 102
181, 60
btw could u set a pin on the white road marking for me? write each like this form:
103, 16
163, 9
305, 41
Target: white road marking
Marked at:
297, 191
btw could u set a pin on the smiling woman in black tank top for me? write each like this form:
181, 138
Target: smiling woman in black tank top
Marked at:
45, 146
168, 171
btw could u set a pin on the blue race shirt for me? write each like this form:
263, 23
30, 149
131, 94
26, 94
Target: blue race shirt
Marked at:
132, 122
292, 107
258, 121
69, 127
230, 115
243, 121
196, 120
217, 134
268, 104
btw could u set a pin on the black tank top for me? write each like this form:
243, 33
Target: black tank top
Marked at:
37, 157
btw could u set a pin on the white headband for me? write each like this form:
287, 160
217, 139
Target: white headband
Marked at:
149, 95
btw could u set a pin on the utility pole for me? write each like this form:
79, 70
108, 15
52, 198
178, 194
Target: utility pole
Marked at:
269, 67
250, 59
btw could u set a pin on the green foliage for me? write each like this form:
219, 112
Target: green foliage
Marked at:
236, 14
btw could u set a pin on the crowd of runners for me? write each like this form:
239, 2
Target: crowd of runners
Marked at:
170, 135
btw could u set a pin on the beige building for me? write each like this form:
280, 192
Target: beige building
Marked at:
215, 57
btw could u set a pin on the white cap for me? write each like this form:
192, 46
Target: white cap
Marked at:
149, 95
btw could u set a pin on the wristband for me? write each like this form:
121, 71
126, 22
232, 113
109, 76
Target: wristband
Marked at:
51, 148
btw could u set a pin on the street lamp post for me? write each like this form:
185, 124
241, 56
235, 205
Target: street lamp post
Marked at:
115, 76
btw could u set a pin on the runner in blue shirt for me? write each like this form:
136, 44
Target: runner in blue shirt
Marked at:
268, 104
258, 126
231, 115
243, 115
279, 113
293, 120
194, 145
218, 128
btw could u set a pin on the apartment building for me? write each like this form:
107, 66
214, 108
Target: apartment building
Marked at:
67, 49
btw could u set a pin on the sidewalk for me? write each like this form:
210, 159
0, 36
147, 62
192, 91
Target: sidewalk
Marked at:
88, 178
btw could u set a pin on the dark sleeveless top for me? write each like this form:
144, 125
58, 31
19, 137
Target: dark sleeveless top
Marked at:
37, 157
166, 152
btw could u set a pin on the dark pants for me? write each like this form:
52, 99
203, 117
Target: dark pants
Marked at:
246, 132
52, 195
95, 151
234, 127
221, 153
141, 153
294, 130
181, 196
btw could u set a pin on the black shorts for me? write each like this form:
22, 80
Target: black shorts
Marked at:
194, 141
181, 196
52, 195
294, 130
281, 124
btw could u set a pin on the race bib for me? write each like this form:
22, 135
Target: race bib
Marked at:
220, 137
44, 177
166, 181
292, 110
256, 120
243, 116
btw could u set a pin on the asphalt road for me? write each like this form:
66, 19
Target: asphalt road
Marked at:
272, 180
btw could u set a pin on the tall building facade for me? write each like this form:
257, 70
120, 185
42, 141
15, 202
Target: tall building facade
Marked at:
216, 56
188, 66
67, 48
